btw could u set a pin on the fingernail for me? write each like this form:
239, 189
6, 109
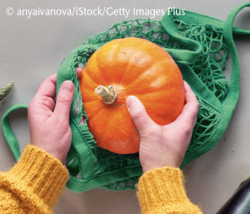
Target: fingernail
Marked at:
131, 101
67, 86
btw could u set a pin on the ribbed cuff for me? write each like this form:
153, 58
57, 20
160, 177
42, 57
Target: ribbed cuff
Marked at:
162, 189
41, 174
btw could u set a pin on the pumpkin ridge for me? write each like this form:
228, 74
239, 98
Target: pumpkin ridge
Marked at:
145, 70
107, 121
98, 118
132, 84
88, 72
103, 70
168, 58
128, 86
116, 56
129, 62
153, 92
110, 123
98, 111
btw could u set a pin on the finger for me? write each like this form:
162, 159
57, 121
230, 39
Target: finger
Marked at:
44, 98
191, 97
189, 113
189, 94
79, 72
139, 115
64, 100
48, 87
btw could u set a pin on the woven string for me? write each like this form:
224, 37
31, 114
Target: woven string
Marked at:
208, 68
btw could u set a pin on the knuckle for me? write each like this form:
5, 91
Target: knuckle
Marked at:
63, 99
187, 130
137, 115
57, 120
44, 101
151, 133
59, 123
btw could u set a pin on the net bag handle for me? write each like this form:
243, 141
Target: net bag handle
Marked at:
8, 132
231, 100
192, 50
234, 85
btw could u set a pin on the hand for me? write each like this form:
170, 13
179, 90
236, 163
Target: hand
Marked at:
49, 120
164, 145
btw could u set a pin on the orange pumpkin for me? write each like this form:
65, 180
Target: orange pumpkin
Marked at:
124, 67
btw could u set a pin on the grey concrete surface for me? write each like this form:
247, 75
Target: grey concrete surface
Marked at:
32, 48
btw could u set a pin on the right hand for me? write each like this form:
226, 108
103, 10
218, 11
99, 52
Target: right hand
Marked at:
164, 145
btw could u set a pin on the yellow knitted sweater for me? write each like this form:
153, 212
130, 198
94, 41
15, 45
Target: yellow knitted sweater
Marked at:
34, 184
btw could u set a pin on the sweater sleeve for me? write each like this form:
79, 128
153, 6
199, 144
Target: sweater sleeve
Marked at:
162, 190
34, 184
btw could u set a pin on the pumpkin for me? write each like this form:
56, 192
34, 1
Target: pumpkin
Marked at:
123, 67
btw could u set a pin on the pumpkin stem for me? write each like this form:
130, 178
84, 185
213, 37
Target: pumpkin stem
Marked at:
108, 94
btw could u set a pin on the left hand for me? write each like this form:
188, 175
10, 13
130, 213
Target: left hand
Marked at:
49, 120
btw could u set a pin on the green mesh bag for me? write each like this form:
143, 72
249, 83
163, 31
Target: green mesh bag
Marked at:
200, 45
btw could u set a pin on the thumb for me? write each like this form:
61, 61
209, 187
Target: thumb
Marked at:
139, 115
64, 100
